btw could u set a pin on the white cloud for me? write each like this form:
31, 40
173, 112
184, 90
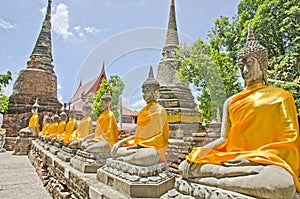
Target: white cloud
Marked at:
59, 89
138, 104
7, 25
91, 30
60, 21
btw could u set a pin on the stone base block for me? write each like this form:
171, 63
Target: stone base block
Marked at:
54, 150
136, 186
86, 165
65, 154
189, 190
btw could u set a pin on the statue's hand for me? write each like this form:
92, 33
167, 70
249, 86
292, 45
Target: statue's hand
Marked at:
134, 147
239, 162
118, 145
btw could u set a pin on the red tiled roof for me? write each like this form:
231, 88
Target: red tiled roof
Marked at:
127, 112
90, 87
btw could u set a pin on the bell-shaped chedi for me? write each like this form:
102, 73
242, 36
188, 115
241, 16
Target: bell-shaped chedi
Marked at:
38, 80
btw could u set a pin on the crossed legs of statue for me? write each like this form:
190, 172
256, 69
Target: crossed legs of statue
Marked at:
262, 181
95, 147
138, 156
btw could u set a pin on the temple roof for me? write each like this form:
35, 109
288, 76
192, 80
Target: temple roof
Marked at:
172, 35
43, 46
90, 87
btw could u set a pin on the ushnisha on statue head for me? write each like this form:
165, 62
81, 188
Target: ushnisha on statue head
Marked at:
150, 88
255, 49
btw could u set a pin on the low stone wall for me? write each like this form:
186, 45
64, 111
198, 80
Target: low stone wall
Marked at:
63, 181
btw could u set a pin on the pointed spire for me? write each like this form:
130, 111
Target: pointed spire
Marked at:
250, 36
172, 35
150, 75
43, 47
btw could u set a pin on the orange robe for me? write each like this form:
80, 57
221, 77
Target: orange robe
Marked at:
106, 128
34, 123
85, 128
152, 130
264, 129
70, 127
60, 129
52, 130
45, 129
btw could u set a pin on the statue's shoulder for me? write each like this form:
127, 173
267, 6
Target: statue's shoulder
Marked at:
278, 93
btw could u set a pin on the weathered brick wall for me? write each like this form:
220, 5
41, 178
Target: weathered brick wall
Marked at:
32, 84
52, 173
179, 148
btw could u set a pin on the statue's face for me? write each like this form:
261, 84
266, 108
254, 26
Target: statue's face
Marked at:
34, 110
250, 69
149, 94
105, 104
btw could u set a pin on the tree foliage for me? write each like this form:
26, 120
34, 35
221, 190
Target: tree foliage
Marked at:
4, 100
115, 86
276, 25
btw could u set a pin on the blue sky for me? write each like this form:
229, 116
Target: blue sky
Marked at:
128, 35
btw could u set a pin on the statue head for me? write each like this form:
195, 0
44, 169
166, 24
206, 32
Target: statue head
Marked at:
63, 116
253, 52
35, 107
72, 113
86, 109
46, 119
55, 118
150, 88
106, 100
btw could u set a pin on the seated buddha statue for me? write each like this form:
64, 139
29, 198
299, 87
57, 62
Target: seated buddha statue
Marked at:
33, 128
106, 132
46, 124
2, 135
61, 127
71, 126
257, 153
150, 142
52, 129
85, 126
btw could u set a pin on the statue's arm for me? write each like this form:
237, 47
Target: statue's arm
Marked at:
224, 127
119, 144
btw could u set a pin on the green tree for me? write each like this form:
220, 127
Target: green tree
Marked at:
4, 100
212, 68
115, 86
276, 24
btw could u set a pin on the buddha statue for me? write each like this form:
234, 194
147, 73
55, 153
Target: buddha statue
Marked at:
106, 132
53, 127
33, 128
257, 153
46, 124
85, 126
61, 127
2, 135
150, 142
71, 126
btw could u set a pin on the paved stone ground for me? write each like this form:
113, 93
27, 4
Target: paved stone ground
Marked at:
18, 179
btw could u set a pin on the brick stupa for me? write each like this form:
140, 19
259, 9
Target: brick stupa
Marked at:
38, 80
175, 97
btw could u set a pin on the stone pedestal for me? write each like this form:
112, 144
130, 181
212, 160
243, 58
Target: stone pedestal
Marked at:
136, 181
185, 189
66, 153
88, 162
55, 148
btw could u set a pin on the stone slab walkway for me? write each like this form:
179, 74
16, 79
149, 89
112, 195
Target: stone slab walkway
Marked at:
18, 179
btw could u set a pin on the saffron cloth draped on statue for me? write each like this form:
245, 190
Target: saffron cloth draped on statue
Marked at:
152, 130
106, 128
34, 123
261, 142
